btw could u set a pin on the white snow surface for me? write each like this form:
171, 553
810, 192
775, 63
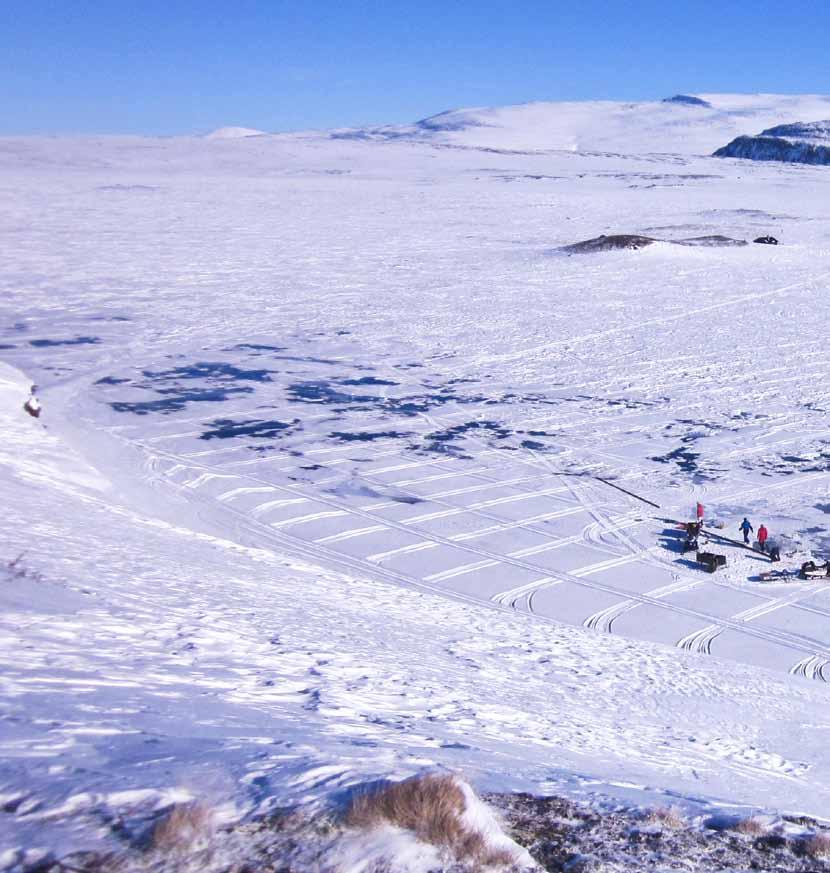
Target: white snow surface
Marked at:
301, 511
234, 133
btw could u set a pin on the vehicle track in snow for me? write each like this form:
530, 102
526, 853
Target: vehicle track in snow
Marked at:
700, 641
812, 667
323, 553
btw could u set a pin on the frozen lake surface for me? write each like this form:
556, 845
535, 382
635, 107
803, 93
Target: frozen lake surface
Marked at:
364, 360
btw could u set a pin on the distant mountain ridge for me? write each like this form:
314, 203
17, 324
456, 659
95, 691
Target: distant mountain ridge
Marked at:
683, 124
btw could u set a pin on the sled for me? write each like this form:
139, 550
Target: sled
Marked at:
711, 561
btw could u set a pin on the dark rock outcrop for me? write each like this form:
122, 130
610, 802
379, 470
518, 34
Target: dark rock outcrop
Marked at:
609, 243
687, 100
632, 242
773, 148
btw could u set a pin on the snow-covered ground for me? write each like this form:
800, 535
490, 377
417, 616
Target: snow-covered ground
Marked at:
312, 499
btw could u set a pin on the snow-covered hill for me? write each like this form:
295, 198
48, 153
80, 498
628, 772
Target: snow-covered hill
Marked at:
677, 126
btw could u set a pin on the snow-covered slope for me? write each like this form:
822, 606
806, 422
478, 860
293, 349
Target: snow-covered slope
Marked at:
324, 485
148, 661
662, 126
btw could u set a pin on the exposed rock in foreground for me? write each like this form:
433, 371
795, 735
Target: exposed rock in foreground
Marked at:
619, 242
566, 836
555, 835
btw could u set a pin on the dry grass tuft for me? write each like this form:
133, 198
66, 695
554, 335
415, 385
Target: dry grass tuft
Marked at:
752, 827
184, 826
431, 807
666, 817
818, 846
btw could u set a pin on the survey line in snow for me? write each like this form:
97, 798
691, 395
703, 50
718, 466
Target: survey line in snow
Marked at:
780, 637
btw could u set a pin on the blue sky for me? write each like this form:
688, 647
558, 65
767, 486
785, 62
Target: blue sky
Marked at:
187, 67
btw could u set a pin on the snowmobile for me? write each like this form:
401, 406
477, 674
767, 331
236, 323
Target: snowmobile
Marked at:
812, 570
690, 543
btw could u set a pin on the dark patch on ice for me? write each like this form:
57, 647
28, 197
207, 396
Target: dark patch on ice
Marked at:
179, 400
695, 429
443, 441
326, 393
5, 346
210, 370
227, 428
824, 507
111, 380
367, 437
77, 341
532, 444
687, 461
322, 392
367, 380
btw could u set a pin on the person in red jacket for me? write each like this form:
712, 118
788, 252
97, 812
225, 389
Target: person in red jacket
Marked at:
763, 534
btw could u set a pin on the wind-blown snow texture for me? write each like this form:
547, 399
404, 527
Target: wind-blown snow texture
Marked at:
301, 509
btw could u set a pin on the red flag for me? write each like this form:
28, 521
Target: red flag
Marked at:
700, 512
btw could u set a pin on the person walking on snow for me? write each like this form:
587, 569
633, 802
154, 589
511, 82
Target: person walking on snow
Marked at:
745, 528
763, 534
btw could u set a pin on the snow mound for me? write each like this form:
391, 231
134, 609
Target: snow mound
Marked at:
234, 133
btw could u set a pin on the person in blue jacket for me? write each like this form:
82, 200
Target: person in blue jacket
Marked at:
745, 528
